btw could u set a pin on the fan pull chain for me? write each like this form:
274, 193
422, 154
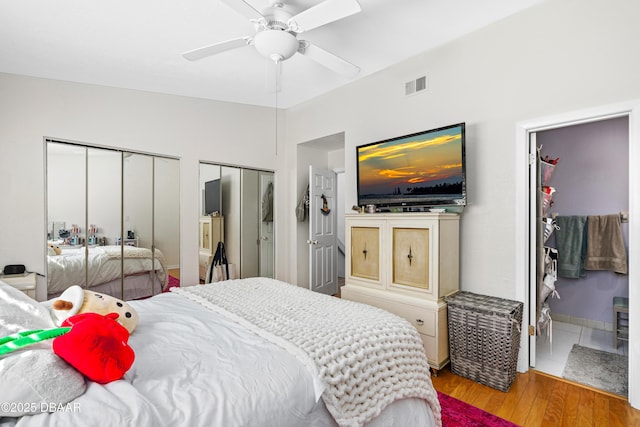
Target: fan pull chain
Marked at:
277, 65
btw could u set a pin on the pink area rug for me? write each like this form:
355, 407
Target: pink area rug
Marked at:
456, 413
173, 283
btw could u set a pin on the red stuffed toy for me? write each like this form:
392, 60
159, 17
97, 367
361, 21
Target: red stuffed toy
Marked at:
96, 346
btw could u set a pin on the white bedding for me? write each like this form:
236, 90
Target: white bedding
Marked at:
195, 367
364, 357
104, 265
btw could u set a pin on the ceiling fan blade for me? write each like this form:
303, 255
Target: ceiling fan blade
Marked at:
329, 60
323, 13
243, 8
213, 49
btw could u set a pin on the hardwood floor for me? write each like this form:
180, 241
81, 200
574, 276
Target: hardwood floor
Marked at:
175, 272
538, 399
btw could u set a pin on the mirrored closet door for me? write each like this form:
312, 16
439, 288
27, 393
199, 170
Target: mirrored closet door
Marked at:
237, 209
112, 220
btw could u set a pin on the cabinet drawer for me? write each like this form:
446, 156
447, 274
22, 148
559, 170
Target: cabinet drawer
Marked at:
423, 319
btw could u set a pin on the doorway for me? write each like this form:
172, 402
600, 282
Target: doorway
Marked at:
324, 153
525, 245
585, 166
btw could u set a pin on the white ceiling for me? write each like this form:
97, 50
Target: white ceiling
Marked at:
137, 44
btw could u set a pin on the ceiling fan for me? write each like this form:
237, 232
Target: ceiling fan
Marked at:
277, 30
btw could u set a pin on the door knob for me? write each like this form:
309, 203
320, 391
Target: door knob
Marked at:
312, 242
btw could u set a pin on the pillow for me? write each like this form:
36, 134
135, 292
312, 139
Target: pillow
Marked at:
33, 377
19, 312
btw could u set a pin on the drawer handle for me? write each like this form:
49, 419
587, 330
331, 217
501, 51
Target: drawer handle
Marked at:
420, 322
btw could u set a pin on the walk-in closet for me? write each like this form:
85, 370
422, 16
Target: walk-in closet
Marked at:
582, 253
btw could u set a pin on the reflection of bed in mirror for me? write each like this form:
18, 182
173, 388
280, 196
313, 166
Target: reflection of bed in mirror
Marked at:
96, 195
204, 260
104, 268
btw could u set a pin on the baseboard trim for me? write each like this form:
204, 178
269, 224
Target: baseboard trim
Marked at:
580, 321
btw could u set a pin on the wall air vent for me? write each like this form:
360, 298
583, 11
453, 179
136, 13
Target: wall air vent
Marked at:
415, 86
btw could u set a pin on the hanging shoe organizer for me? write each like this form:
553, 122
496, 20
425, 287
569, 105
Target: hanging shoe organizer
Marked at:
547, 255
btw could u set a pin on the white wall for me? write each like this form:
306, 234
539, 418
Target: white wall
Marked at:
67, 188
104, 204
167, 209
187, 128
558, 56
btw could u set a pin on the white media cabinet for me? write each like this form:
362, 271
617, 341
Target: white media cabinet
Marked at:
406, 263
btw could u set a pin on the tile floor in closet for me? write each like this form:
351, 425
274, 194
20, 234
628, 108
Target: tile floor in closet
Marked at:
565, 335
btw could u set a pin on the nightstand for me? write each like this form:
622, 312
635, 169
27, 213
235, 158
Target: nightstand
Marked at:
23, 282
128, 241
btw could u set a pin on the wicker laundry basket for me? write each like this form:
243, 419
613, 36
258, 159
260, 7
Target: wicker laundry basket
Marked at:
484, 338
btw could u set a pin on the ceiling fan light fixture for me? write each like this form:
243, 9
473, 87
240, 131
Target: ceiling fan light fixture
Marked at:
277, 45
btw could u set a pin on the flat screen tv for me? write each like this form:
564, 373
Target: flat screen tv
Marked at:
212, 201
424, 169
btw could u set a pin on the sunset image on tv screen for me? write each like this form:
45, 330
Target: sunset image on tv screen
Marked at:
413, 166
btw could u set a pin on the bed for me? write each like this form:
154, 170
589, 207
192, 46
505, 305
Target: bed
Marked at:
244, 353
143, 276
204, 260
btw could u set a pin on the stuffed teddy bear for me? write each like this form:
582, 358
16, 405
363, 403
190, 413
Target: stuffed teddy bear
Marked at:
54, 249
75, 300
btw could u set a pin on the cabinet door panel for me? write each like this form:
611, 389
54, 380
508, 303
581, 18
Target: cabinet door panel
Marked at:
205, 235
411, 257
365, 252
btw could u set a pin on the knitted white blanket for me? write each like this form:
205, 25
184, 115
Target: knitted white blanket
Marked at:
367, 357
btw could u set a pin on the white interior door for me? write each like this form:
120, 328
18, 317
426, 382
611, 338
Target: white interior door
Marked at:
323, 224
533, 258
